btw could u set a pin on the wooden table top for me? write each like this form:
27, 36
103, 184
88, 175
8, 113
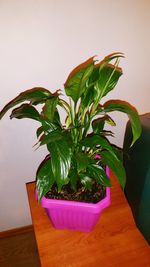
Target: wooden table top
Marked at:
115, 241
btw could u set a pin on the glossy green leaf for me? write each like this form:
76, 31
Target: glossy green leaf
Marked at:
48, 126
62, 103
98, 173
118, 152
25, 111
44, 178
34, 95
102, 80
73, 177
108, 78
87, 98
100, 110
98, 124
39, 131
110, 121
86, 181
75, 85
115, 165
87, 119
68, 121
96, 140
56, 119
52, 137
82, 161
61, 154
125, 107
50, 108
109, 58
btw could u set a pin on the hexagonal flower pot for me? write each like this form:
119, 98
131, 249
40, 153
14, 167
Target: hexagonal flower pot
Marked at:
75, 215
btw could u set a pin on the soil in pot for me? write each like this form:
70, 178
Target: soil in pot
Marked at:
94, 195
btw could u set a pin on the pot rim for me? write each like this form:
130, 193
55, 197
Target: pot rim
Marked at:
45, 202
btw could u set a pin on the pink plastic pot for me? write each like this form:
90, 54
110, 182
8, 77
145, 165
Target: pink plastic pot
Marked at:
75, 215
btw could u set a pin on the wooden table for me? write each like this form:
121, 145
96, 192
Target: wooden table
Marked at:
115, 241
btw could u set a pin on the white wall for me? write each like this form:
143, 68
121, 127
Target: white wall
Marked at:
40, 42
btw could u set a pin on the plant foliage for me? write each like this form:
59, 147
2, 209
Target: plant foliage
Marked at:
73, 147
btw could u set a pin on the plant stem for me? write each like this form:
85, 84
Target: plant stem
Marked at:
71, 112
73, 118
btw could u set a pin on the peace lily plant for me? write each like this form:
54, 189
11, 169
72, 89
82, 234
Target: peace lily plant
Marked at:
73, 145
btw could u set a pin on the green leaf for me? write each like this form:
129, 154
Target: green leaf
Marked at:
125, 107
61, 154
108, 78
86, 181
118, 152
87, 120
98, 173
98, 124
56, 119
50, 108
25, 111
103, 79
87, 98
62, 103
39, 131
109, 58
52, 137
115, 165
48, 126
73, 177
35, 95
75, 85
44, 178
68, 121
99, 110
82, 161
96, 140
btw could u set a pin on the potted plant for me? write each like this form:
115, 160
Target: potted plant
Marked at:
73, 181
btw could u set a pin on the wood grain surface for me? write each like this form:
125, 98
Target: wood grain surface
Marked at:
19, 250
16, 231
115, 241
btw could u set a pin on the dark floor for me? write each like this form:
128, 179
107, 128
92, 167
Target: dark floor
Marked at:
19, 251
